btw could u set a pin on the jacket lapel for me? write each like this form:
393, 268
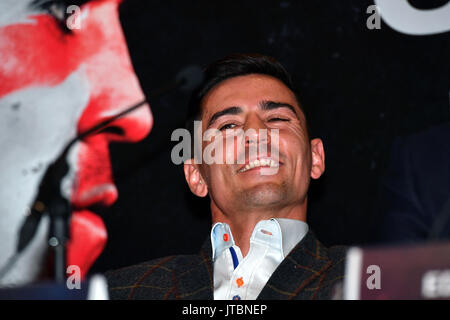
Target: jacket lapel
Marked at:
295, 276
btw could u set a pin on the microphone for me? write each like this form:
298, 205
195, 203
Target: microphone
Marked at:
49, 199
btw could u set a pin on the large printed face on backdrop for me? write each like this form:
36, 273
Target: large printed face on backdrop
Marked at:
54, 83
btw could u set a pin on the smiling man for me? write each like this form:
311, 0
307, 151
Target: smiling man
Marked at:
260, 245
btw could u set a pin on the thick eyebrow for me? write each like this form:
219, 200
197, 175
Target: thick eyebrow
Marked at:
263, 105
271, 105
227, 111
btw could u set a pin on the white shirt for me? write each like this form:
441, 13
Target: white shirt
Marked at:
236, 277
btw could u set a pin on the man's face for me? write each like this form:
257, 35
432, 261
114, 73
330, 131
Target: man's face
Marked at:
55, 83
258, 102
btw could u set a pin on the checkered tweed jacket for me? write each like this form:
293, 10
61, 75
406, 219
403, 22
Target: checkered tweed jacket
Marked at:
310, 271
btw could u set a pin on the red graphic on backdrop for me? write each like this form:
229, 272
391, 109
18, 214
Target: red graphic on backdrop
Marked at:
42, 54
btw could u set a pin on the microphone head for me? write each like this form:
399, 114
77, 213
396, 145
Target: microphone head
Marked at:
189, 78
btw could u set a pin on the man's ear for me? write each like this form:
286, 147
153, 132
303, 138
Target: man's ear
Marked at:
318, 158
195, 179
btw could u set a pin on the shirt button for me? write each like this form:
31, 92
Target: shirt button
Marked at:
236, 297
239, 282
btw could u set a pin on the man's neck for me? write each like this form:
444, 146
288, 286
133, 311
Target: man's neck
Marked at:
243, 223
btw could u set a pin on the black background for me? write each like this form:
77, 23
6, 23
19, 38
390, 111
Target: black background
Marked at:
362, 89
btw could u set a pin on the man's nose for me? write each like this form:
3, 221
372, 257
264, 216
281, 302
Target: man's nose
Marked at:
256, 131
114, 86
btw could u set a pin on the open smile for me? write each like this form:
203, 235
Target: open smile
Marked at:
260, 163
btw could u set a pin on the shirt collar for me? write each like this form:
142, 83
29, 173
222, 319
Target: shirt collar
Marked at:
280, 234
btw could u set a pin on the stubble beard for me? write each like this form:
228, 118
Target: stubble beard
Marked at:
266, 196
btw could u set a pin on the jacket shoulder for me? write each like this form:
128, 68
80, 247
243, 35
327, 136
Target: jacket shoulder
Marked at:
332, 282
154, 279
337, 255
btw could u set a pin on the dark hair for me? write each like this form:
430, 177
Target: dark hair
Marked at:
233, 66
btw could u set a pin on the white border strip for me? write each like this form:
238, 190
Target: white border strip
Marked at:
353, 269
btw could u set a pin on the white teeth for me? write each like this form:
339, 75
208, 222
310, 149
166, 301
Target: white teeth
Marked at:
260, 163
273, 164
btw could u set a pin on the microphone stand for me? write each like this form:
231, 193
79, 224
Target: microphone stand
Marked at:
50, 201
59, 212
